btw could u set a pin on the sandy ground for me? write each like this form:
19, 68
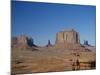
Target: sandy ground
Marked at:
50, 59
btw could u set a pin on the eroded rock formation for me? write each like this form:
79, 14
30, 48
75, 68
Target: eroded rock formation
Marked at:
68, 36
68, 39
22, 41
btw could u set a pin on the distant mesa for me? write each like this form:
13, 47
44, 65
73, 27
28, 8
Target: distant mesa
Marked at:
22, 41
68, 36
86, 43
88, 46
67, 39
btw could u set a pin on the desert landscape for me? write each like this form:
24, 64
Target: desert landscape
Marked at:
67, 54
52, 37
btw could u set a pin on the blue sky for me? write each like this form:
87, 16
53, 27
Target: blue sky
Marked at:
42, 21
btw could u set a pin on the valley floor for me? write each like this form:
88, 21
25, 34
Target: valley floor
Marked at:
49, 59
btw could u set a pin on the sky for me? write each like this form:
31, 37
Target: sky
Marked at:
42, 21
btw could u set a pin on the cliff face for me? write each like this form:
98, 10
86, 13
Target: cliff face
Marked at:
68, 39
22, 41
68, 36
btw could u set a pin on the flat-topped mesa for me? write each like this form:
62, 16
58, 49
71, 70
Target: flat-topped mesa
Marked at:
68, 36
68, 39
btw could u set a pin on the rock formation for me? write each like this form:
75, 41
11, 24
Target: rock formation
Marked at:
68, 39
22, 41
86, 42
68, 36
49, 44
